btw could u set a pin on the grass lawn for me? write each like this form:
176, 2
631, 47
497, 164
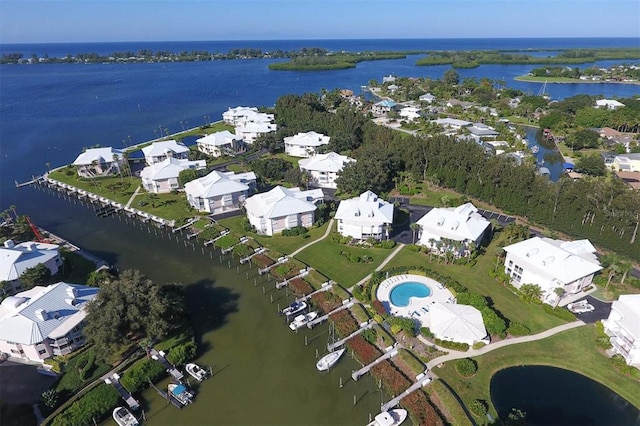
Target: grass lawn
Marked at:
278, 243
167, 206
113, 188
573, 350
76, 268
326, 258
477, 280
429, 197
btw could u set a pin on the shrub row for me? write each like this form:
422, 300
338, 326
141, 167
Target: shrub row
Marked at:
364, 351
344, 322
420, 409
137, 377
463, 347
393, 381
89, 409
562, 313
296, 230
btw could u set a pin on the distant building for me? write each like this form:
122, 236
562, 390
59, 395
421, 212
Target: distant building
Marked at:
163, 177
282, 208
552, 264
627, 163
452, 123
427, 97
410, 113
220, 143
220, 192
364, 217
160, 151
610, 104
304, 144
241, 115
623, 327
250, 131
17, 258
324, 169
45, 321
96, 162
383, 107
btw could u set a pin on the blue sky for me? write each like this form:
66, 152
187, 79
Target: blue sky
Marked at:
31, 21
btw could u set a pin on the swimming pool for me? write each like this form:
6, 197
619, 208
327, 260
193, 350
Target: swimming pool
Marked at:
401, 293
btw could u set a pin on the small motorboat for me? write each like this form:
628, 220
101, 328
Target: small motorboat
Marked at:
294, 308
329, 360
123, 417
302, 320
180, 393
581, 307
196, 371
393, 417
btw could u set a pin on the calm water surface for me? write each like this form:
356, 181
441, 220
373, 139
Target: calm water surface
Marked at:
556, 397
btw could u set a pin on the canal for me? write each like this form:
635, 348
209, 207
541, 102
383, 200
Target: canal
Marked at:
263, 372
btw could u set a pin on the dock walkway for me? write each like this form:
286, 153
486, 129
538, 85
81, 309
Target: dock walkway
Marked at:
280, 261
346, 305
114, 380
364, 370
325, 287
159, 356
332, 346
230, 249
425, 380
302, 273
222, 234
256, 251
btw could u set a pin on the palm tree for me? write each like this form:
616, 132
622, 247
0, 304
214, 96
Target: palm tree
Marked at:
614, 269
625, 268
559, 291
415, 228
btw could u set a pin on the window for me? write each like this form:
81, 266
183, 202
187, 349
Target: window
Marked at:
517, 278
518, 269
42, 351
511, 263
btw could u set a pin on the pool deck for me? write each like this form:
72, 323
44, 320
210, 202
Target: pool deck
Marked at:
418, 307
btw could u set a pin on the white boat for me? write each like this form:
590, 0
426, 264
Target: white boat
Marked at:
181, 393
294, 308
580, 307
328, 361
393, 417
302, 320
535, 149
123, 417
196, 371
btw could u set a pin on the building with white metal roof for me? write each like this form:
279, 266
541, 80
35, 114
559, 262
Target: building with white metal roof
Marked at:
220, 143
623, 327
304, 144
162, 177
324, 169
220, 192
365, 216
104, 161
17, 258
160, 151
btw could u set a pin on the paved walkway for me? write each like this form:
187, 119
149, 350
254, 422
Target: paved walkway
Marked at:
507, 342
382, 265
326, 234
135, 194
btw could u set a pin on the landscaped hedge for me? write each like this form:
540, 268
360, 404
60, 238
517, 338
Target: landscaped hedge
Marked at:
137, 377
326, 301
420, 409
516, 329
562, 313
463, 347
364, 351
90, 409
393, 381
345, 323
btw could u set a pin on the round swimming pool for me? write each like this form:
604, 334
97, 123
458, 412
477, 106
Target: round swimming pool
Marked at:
401, 293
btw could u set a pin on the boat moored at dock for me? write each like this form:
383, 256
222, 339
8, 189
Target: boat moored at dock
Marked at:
294, 308
196, 371
180, 392
124, 417
302, 320
393, 417
329, 360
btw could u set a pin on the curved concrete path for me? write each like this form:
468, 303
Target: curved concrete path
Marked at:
507, 342
326, 234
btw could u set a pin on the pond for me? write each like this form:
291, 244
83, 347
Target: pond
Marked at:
554, 396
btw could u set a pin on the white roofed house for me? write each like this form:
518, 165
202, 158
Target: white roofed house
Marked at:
427, 97
160, 151
452, 123
552, 264
324, 168
44, 321
410, 113
240, 115
365, 216
610, 104
441, 228
95, 162
162, 177
220, 192
458, 323
282, 208
480, 132
250, 131
17, 258
623, 327
304, 144
220, 143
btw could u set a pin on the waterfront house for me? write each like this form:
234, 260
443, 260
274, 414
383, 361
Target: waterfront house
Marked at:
44, 321
250, 131
383, 107
410, 113
458, 323
95, 162
623, 328
452, 229
626, 163
240, 114
220, 143
323, 169
388, 79
220, 192
480, 132
17, 258
304, 144
452, 123
552, 264
163, 177
427, 97
609, 104
160, 151
282, 208
363, 217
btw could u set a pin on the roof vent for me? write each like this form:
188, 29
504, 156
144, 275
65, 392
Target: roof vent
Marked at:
9, 244
532, 252
42, 314
72, 292
440, 221
71, 302
455, 225
548, 260
356, 213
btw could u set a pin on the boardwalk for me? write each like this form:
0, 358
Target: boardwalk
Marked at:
347, 304
114, 380
364, 370
302, 273
280, 261
332, 346
256, 251
222, 234
159, 356
425, 380
326, 286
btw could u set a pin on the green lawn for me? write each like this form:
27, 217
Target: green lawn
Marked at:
114, 188
433, 198
326, 258
167, 206
278, 243
573, 350
477, 279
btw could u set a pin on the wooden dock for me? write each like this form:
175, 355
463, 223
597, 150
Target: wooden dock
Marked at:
280, 261
256, 251
34, 179
332, 346
423, 381
230, 249
325, 287
364, 370
114, 380
301, 273
222, 234
159, 356
346, 305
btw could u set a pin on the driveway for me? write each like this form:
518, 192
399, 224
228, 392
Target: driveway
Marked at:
22, 384
601, 311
